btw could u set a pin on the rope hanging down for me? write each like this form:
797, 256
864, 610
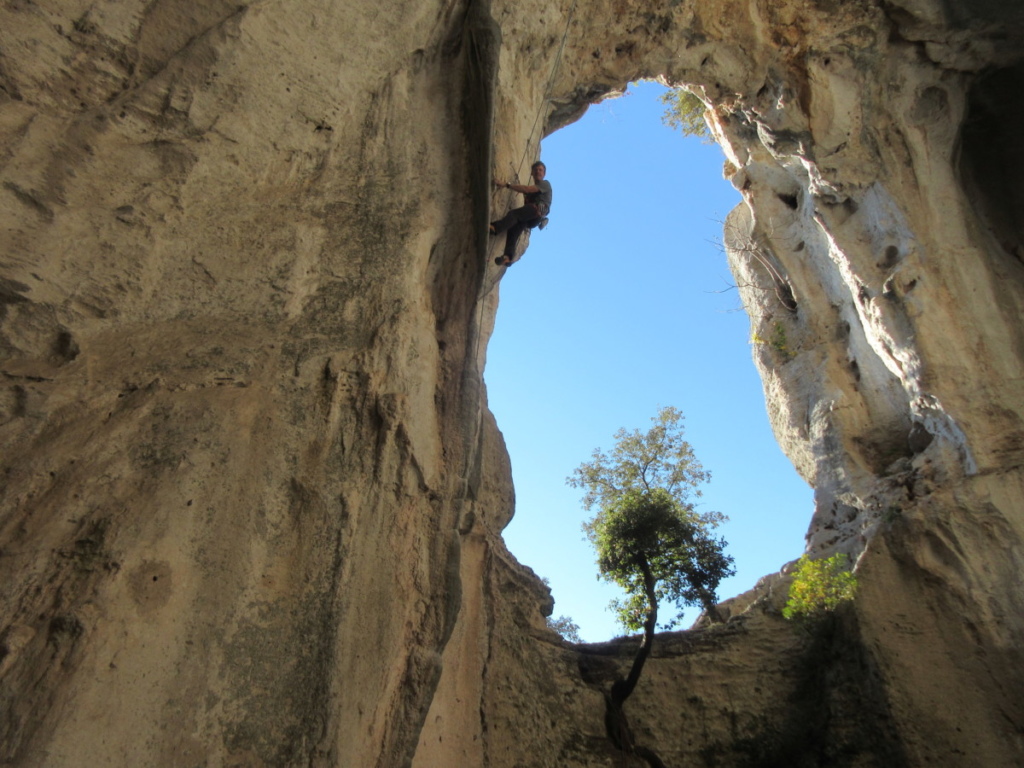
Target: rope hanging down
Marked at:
540, 111
547, 89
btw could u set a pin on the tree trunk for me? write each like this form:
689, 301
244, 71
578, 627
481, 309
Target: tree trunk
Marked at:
623, 688
616, 722
710, 608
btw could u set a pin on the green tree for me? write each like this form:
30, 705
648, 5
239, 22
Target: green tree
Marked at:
566, 627
819, 587
657, 458
685, 112
658, 550
649, 538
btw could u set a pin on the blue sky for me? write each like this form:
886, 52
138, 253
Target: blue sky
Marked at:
622, 305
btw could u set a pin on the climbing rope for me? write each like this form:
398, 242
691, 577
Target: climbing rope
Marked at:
547, 90
533, 129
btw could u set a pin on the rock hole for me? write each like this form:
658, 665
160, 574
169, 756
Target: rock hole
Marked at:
66, 347
932, 105
787, 297
790, 200
889, 257
919, 438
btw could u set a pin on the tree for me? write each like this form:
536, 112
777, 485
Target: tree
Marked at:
646, 520
650, 540
685, 112
819, 587
658, 458
566, 627
657, 550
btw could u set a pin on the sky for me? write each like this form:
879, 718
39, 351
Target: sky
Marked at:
622, 305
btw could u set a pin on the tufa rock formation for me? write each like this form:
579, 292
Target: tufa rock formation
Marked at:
250, 493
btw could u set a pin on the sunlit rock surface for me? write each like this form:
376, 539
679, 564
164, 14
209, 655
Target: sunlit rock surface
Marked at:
251, 494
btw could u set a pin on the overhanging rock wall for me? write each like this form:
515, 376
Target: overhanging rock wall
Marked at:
251, 494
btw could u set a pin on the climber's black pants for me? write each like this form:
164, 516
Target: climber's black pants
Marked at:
515, 222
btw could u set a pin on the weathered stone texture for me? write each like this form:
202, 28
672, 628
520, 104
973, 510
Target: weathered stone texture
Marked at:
251, 494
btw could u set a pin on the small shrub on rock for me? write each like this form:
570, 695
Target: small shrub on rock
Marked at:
819, 587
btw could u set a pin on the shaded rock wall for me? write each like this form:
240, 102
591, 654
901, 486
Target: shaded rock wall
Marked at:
252, 497
240, 325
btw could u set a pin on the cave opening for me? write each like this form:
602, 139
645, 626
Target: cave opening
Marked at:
992, 157
624, 304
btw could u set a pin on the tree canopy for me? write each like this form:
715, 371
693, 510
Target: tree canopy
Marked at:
657, 458
819, 587
685, 112
650, 540
566, 627
658, 550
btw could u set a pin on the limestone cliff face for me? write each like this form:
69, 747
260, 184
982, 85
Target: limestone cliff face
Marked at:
252, 497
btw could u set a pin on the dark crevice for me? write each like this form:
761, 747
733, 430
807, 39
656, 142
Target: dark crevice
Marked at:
992, 156
789, 200
890, 257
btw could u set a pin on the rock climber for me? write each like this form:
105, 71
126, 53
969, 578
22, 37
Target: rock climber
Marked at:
537, 203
